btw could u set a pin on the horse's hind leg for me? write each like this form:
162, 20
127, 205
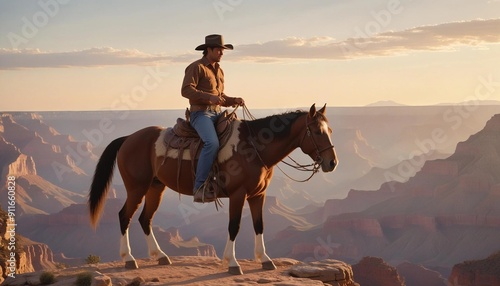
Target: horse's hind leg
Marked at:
134, 199
256, 204
153, 200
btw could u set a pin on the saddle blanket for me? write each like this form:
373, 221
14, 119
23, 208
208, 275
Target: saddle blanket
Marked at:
183, 140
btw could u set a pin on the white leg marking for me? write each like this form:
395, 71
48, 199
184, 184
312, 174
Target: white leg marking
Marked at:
125, 252
229, 256
260, 249
153, 247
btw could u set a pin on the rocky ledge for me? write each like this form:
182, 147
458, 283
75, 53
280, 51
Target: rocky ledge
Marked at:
195, 270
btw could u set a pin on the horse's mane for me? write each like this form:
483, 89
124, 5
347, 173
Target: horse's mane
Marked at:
279, 124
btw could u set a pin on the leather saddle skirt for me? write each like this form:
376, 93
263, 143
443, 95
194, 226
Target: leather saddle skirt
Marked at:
184, 137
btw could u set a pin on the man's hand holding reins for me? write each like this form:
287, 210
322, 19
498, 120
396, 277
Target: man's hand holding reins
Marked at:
239, 101
217, 100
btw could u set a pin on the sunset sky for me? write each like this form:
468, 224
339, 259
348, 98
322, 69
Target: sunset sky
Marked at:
124, 54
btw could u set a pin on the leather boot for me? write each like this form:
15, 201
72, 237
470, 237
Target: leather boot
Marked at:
204, 195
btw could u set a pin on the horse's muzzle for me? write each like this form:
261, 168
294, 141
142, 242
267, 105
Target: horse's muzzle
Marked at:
328, 166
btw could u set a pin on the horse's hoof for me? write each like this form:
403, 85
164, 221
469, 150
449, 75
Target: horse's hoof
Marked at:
268, 265
164, 261
235, 270
131, 264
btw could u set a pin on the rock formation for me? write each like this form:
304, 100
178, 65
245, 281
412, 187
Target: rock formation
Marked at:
432, 219
13, 259
39, 255
477, 272
58, 158
374, 271
49, 172
330, 271
74, 222
13, 161
18, 254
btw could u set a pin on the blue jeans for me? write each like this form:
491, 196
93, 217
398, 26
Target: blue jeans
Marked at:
204, 123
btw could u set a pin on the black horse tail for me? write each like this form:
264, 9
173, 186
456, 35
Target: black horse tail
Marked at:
102, 178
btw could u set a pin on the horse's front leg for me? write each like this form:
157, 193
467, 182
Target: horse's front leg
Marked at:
256, 205
236, 202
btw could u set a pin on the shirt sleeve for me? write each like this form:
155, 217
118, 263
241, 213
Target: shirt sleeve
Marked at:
189, 90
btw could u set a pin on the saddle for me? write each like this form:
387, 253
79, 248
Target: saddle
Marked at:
182, 136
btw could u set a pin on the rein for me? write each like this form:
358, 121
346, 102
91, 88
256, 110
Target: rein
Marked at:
313, 168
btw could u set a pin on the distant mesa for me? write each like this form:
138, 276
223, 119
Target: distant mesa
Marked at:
386, 103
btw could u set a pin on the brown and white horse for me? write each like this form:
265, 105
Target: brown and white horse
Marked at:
246, 162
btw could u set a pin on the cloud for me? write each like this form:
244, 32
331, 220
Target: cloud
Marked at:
95, 57
426, 38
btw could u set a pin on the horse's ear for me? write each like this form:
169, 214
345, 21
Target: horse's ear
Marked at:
323, 109
312, 111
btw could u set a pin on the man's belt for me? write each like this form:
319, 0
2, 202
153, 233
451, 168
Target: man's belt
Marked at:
204, 107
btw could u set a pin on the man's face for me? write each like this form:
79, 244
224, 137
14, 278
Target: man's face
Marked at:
215, 54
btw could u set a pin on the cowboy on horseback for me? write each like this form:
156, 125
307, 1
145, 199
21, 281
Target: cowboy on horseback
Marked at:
203, 85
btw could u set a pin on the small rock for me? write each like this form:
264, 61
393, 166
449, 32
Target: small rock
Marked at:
267, 280
327, 270
137, 281
285, 261
242, 280
102, 280
299, 282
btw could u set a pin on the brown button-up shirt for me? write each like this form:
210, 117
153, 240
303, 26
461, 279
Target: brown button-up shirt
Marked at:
202, 80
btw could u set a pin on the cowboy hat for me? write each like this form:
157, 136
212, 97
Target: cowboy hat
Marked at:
214, 41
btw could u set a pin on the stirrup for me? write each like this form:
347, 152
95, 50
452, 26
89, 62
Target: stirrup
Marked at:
204, 188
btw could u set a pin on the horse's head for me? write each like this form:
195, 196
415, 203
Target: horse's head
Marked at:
316, 141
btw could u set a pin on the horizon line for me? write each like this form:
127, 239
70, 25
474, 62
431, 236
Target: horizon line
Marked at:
371, 105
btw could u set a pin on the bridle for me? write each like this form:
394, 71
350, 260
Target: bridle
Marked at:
308, 133
313, 168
